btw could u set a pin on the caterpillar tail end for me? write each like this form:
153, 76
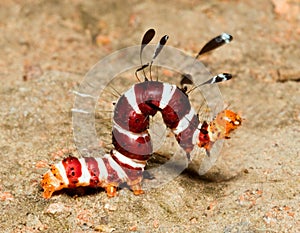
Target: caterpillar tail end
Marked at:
51, 182
47, 185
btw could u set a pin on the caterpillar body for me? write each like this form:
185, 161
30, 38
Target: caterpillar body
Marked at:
131, 139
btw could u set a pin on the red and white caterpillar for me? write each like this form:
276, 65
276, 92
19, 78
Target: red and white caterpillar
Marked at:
130, 136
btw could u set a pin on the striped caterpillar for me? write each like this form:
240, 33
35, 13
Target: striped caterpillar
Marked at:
130, 137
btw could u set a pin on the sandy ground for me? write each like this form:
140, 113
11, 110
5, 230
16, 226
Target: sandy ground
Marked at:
48, 46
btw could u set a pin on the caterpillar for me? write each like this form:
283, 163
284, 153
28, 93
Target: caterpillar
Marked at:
130, 137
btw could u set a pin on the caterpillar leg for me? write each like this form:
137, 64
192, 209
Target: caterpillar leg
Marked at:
111, 190
137, 189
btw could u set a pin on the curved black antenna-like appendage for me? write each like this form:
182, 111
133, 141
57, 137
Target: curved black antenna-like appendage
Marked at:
148, 36
159, 46
139, 69
216, 79
214, 43
158, 49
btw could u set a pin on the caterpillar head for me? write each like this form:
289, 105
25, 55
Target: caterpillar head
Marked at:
220, 128
224, 123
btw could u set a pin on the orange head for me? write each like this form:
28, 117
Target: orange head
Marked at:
224, 123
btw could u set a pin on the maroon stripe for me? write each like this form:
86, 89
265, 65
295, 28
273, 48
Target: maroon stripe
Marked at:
73, 170
93, 169
185, 138
131, 172
112, 174
122, 112
140, 149
137, 123
128, 119
177, 108
204, 139
148, 96
124, 165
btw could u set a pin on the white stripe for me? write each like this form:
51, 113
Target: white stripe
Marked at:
167, 94
184, 122
121, 174
196, 135
62, 172
102, 169
131, 98
125, 160
85, 174
210, 134
132, 135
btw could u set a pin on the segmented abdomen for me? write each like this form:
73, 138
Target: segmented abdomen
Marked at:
131, 118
